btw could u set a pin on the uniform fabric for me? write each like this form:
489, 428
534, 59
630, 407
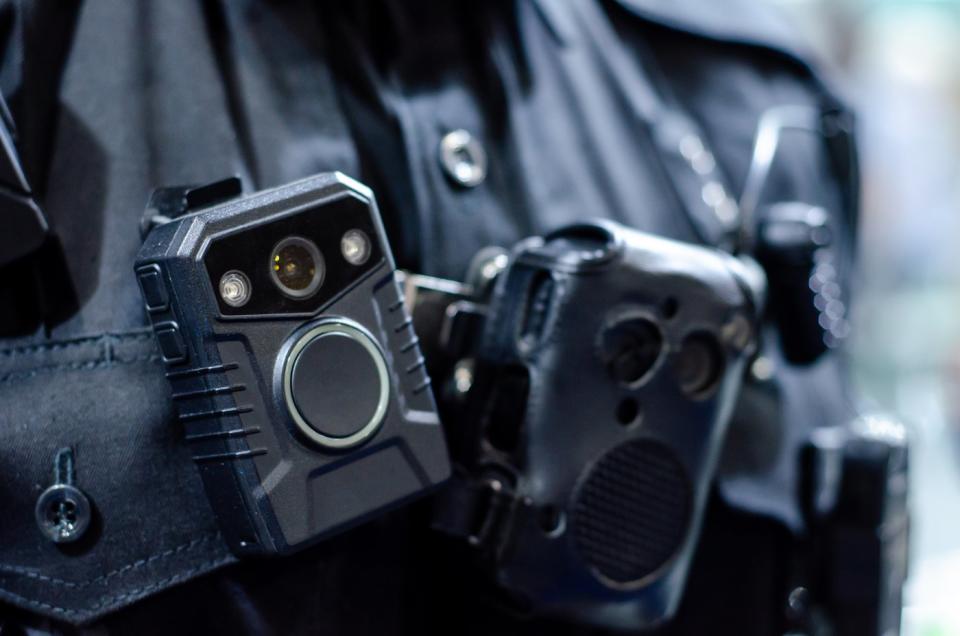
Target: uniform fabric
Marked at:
112, 98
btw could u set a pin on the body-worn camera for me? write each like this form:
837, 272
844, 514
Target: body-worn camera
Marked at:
294, 366
591, 410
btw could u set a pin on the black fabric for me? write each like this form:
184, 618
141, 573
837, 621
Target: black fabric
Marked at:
105, 396
147, 94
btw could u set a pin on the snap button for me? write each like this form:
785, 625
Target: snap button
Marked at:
62, 510
463, 158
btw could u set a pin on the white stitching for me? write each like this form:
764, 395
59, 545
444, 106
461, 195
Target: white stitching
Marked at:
29, 573
43, 347
109, 601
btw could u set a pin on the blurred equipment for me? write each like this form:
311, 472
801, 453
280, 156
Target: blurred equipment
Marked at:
855, 500
794, 240
591, 388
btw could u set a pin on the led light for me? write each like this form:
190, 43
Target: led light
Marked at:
235, 288
355, 247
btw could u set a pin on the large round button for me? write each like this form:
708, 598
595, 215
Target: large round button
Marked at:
336, 384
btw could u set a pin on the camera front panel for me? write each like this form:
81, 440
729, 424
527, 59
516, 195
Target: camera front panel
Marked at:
295, 370
308, 240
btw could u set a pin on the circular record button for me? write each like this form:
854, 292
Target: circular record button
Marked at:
336, 384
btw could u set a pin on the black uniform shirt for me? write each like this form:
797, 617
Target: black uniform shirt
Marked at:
112, 98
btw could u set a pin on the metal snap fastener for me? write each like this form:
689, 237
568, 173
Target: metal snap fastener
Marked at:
463, 377
485, 267
63, 511
463, 158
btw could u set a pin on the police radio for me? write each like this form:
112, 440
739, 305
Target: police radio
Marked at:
591, 373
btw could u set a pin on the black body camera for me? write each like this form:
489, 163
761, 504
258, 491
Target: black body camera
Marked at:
293, 362
591, 414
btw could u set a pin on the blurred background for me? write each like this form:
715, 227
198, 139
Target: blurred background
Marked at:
899, 62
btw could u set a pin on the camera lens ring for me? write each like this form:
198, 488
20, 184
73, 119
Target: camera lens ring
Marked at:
361, 336
288, 259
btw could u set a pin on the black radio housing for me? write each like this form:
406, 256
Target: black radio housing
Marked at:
591, 413
307, 407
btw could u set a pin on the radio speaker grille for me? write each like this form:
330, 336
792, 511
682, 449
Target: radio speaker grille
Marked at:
632, 511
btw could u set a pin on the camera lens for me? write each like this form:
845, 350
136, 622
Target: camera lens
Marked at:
297, 267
